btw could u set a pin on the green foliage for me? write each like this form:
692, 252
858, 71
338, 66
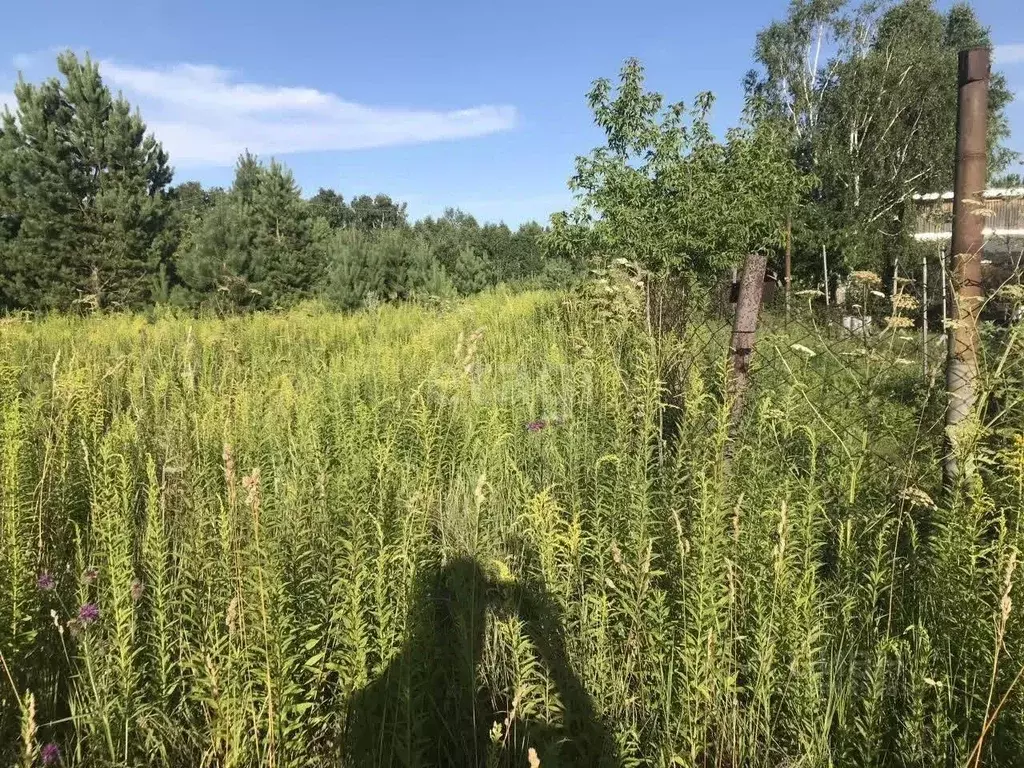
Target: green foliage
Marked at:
424, 274
378, 212
476, 256
1008, 180
317, 539
355, 269
664, 193
523, 256
254, 245
869, 96
330, 206
615, 294
217, 259
469, 271
79, 177
387, 265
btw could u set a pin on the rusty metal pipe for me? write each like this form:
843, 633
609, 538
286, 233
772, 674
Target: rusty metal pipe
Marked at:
965, 253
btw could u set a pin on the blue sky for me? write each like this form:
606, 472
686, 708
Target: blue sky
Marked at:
475, 105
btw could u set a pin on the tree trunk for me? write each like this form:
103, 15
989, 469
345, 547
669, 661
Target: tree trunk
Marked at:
744, 330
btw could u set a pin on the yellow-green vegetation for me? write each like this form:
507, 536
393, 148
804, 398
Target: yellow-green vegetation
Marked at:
449, 536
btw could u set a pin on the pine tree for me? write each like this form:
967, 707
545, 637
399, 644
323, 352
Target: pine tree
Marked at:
188, 205
321, 234
421, 267
40, 186
355, 270
83, 190
437, 284
470, 271
248, 177
215, 263
255, 246
289, 268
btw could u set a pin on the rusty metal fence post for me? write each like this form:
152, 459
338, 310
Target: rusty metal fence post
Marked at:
965, 254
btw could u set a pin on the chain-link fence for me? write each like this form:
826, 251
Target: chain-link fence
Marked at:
864, 363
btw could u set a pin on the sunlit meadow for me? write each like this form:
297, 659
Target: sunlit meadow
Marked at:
494, 533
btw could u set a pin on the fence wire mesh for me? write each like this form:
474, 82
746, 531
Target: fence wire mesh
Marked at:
866, 362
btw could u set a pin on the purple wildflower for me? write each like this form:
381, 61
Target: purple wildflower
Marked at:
536, 425
45, 581
88, 613
50, 754
137, 589
90, 574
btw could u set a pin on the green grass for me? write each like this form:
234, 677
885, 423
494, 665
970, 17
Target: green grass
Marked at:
324, 539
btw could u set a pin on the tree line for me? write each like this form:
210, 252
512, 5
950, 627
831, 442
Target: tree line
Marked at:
850, 109
89, 218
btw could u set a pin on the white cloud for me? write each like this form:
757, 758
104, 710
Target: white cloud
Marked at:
204, 116
1011, 53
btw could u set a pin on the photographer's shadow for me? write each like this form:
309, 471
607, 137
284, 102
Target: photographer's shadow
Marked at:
426, 708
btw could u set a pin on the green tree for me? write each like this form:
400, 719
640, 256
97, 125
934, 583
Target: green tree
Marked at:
188, 205
290, 267
795, 67
249, 173
356, 269
495, 244
321, 234
82, 190
469, 272
255, 245
526, 253
664, 193
420, 264
379, 212
391, 264
876, 121
449, 234
331, 206
512, 256
216, 263
429, 278
1008, 180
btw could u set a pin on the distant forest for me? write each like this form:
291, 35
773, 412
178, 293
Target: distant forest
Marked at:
89, 219
848, 111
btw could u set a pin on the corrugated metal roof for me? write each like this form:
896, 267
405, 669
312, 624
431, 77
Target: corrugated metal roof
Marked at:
996, 193
1003, 211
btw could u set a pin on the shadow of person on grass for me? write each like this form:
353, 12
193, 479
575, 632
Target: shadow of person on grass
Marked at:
427, 708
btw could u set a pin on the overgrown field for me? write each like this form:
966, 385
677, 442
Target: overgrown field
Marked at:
443, 537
